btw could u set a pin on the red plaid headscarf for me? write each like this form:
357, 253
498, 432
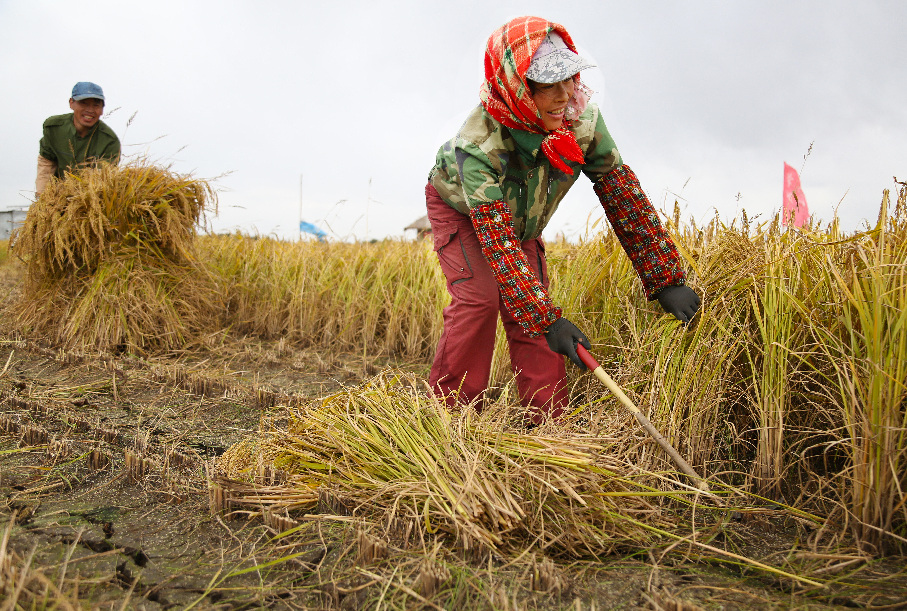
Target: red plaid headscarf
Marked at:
506, 96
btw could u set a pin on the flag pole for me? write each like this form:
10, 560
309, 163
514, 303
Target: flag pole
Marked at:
368, 201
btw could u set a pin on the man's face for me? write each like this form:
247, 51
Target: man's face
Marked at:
86, 113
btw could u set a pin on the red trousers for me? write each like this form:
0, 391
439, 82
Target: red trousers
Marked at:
462, 364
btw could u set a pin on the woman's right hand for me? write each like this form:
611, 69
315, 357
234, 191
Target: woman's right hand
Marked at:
563, 336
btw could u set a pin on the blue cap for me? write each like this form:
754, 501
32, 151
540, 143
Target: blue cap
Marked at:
84, 90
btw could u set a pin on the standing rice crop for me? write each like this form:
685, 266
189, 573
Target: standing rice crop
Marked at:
864, 350
775, 331
383, 297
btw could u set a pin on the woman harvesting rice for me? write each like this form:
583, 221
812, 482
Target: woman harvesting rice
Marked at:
492, 191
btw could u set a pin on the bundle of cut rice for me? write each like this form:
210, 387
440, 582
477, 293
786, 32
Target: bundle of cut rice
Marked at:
388, 452
109, 259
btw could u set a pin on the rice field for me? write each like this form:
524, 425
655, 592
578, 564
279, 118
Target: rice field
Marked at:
788, 393
791, 384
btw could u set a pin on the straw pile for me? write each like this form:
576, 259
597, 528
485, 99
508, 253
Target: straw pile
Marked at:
389, 453
110, 261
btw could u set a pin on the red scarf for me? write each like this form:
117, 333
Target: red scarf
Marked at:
505, 94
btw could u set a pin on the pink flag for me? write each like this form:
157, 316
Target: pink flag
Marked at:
795, 211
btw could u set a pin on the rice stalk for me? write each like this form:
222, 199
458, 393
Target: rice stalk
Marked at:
775, 333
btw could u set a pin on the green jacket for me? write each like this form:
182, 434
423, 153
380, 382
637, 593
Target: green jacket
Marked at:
487, 162
61, 144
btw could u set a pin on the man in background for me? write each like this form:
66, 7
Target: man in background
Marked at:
77, 138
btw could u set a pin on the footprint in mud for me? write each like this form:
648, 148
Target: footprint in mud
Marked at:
102, 516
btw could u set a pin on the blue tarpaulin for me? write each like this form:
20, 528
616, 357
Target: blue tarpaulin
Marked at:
305, 227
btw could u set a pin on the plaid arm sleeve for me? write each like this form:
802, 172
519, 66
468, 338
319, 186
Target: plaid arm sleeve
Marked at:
524, 296
636, 224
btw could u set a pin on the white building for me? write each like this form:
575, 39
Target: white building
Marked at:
11, 218
422, 227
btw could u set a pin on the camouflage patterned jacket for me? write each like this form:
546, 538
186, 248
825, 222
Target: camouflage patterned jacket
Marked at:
487, 162
499, 178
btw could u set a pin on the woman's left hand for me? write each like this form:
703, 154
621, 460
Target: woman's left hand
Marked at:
681, 301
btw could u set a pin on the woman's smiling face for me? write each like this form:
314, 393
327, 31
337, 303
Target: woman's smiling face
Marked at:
551, 99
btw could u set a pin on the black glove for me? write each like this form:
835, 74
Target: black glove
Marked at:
563, 336
681, 301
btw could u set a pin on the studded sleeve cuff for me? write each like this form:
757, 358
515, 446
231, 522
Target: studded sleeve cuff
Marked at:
650, 248
524, 296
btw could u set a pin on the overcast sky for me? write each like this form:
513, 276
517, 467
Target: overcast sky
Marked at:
705, 99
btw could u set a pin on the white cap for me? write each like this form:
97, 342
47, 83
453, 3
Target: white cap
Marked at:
553, 61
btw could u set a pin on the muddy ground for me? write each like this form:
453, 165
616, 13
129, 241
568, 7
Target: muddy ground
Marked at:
105, 504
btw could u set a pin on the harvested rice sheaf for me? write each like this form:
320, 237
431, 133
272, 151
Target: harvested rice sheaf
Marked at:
389, 453
109, 256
